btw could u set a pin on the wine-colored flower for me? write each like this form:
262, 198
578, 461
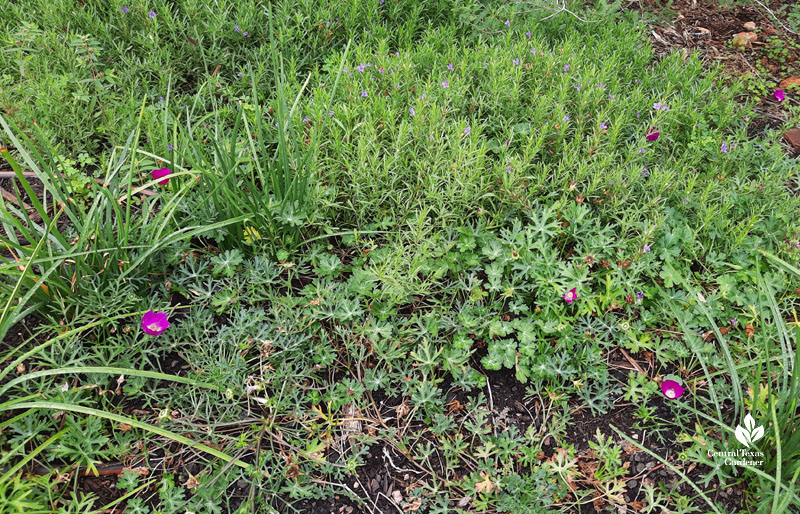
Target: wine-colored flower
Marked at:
161, 172
779, 95
653, 134
154, 323
672, 389
570, 296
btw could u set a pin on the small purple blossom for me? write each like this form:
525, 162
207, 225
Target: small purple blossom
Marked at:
364, 94
431, 137
236, 28
445, 84
169, 148
508, 23
154, 323
516, 61
411, 111
645, 173
422, 96
240, 74
602, 86
152, 14
508, 170
657, 106
734, 322
565, 118
467, 130
449, 66
641, 150
533, 51
646, 249
610, 97
566, 67
639, 295
528, 33
360, 67
245, 33
124, 10
723, 148
331, 113
603, 126
306, 119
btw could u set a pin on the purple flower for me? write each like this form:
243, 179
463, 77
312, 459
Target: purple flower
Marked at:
602, 86
412, 111
450, 66
652, 134
169, 149
508, 170
779, 95
671, 389
236, 28
639, 295
566, 67
431, 137
152, 14
364, 94
646, 247
610, 97
124, 10
516, 61
467, 130
445, 84
360, 67
423, 96
645, 173
565, 118
533, 51
306, 119
603, 126
641, 150
240, 74
245, 33
154, 323
508, 23
161, 172
528, 33
381, 70
723, 148
578, 87
734, 322
638, 115
331, 113
570, 296
657, 106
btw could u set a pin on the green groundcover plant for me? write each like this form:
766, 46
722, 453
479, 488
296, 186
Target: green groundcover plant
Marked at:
235, 278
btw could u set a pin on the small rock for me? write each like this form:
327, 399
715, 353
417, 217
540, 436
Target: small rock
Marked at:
639, 468
792, 136
744, 39
373, 485
397, 496
632, 484
791, 81
749, 26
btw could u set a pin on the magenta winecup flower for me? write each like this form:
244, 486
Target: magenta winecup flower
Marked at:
161, 172
653, 134
671, 389
779, 95
154, 323
570, 296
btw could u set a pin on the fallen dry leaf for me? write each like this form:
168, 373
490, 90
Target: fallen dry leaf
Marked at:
484, 486
749, 330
